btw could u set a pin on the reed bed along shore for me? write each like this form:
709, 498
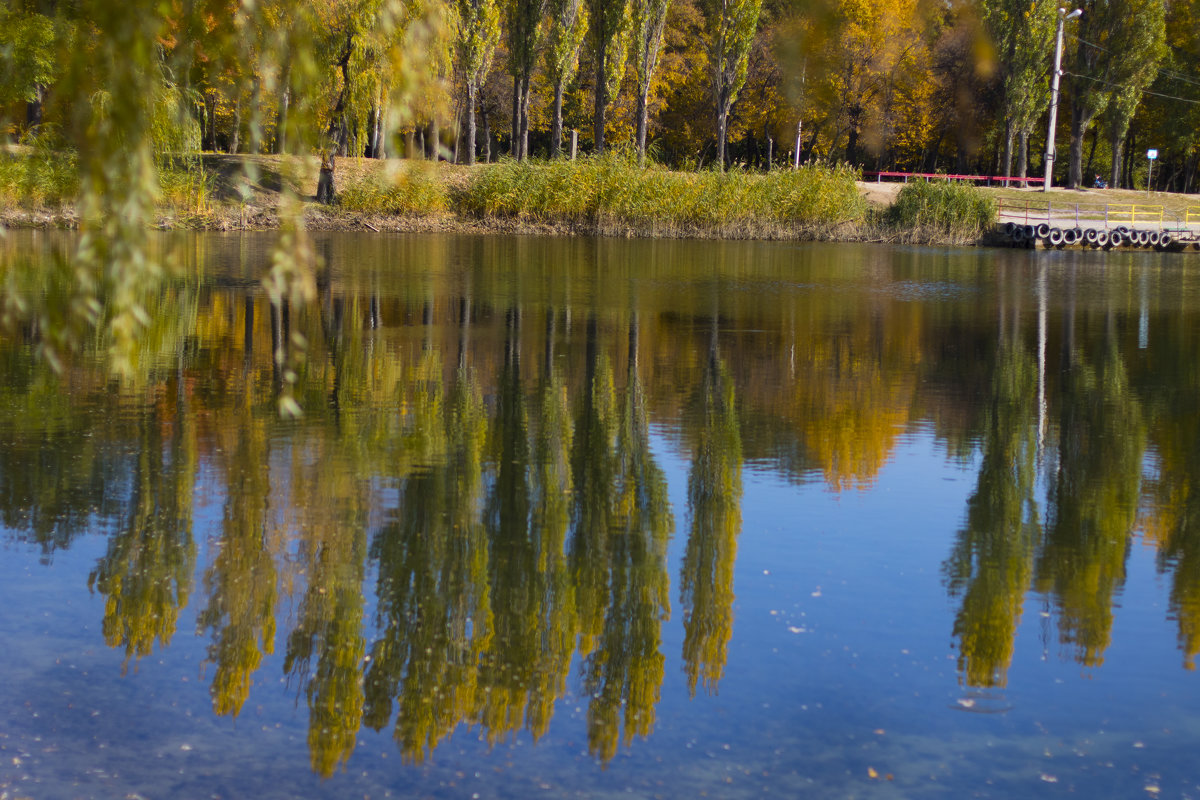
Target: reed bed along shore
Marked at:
609, 195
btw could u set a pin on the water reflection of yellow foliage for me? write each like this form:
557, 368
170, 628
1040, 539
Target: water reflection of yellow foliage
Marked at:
992, 562
241, 581
1173, 525
517, 516
329, 630
854, 394
145, 574
434, 613
624, 674
714, 500
1095, 493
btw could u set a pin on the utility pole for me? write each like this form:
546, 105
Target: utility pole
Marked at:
1063, 16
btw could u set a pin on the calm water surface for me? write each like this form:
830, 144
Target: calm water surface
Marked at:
575, 518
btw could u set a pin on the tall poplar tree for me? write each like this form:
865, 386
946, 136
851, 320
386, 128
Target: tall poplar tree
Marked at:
732, 25
609, 39
524, 28
1118, 42
1023, 34
478, 32
1149, 23
649, 20
568, 21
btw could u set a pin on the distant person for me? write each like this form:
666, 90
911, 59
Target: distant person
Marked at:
1100, 184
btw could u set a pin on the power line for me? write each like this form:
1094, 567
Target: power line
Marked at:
1143, 91
1162, 71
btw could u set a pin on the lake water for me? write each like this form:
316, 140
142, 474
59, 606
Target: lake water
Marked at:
580, 518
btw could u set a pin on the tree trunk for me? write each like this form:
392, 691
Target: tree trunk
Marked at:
525, 96
1114, 173
210, 123
601, 103
1009, 134
487, 138
281, 119
325, 188
1023, 157
852, 135
434, 140
33, 108
380, 135
556, 129
1078, 129
514, 144
642, 102
1092, 152
472, 91
372, 133
235, 137
722, 120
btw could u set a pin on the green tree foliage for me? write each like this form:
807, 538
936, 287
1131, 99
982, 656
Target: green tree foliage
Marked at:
608, 36
1023, 34
145, 574
241, 582
624, 676
525, 30
568, 23
1119, 47
991, 565
1094, 497
714, 501
649, 21
478, 33
30, 43
732, 25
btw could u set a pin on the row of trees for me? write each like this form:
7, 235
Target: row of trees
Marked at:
897, 83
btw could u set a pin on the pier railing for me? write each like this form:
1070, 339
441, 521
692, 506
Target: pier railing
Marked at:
990, 180
1104, 215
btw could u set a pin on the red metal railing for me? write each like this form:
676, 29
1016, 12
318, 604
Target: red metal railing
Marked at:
988, 179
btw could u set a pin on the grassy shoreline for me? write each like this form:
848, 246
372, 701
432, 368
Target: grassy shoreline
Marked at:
608, 196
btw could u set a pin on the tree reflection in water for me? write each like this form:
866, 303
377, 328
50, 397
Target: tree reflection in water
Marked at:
489, 457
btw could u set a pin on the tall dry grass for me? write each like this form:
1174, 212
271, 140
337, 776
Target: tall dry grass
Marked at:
941, 211
412, 188
38, 178
612, 195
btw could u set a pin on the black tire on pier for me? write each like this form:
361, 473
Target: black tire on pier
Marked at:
1089, 236
1055, 237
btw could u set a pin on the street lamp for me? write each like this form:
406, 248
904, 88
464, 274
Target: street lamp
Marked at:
1063, 16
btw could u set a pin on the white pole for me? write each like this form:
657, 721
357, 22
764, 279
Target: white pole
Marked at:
1063, 16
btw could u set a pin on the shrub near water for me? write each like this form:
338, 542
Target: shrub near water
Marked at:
941, 209
611, 194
